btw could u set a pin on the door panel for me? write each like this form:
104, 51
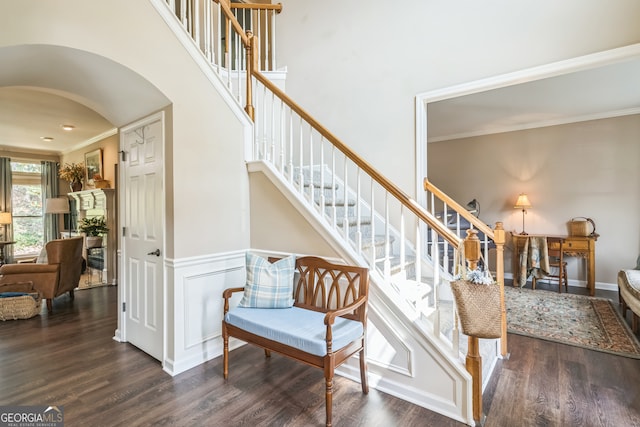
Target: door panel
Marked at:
143, 242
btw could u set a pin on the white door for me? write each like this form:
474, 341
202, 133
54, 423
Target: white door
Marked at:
142, 213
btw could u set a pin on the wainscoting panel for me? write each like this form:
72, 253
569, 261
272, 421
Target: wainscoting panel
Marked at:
195, 300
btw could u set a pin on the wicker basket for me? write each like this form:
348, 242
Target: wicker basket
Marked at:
20, 307
478, 307
580, 227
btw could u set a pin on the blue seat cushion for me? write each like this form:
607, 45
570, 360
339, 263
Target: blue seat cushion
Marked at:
295, 327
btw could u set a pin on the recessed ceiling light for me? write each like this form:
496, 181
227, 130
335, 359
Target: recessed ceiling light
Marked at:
46, 138
68, 127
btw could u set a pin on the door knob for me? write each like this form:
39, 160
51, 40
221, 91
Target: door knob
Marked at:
156, 252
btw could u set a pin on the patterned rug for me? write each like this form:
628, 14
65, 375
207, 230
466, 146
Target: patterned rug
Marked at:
588, 322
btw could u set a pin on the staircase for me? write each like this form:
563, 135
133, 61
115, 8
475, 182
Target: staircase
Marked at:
415, 350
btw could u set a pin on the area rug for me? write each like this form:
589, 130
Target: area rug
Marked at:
588, 322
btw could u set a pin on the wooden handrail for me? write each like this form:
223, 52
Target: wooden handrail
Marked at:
428, 186
258, 6
400, 195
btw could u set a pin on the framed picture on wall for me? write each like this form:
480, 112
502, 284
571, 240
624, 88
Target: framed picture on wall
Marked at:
93, 166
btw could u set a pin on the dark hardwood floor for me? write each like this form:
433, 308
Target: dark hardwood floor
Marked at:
70, 359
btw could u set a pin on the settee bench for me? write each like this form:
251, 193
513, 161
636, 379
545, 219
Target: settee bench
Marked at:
323, 325
629, 291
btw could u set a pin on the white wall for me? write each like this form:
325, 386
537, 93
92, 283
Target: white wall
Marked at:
357, 66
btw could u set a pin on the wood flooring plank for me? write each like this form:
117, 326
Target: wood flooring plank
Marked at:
70, 358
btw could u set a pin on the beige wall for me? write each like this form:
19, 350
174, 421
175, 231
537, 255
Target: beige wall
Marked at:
277, 226
586, 169
109, 147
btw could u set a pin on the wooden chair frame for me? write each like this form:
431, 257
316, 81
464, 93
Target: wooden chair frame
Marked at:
555, 249
337, 290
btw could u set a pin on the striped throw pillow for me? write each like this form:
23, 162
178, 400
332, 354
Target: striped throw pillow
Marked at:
268, 285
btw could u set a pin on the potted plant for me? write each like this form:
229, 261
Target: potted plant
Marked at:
73, 173
94, 228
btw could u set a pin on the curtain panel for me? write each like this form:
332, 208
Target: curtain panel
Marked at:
50, 184
6, 183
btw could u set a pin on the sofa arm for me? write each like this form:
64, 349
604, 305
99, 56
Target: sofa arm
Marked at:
8, 269
330, 317
227, 294
43, 276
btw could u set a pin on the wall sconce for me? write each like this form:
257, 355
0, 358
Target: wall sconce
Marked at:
524, 204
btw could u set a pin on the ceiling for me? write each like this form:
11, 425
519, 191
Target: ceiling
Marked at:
43, 87
603, 91
28, 115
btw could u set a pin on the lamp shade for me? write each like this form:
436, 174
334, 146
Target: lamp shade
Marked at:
522, 202
5, 217
56, 205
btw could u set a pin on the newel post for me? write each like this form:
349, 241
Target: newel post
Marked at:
251, 51
499, 239
473, 361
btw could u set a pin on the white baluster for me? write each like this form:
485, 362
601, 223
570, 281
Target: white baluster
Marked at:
273, 128
334, 191
218, 38
323, 200
283, 138
183, 13
196, 24
301, 178
207, 30
358, 211
403, 240
345, 202
373, 227
311, 169
290, 146
272, 40
387, 239
435, 255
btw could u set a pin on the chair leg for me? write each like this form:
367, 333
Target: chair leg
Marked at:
363, 373
71, 295
50, 305
634, 322
225, 352
533, 283
329, 395
267, 353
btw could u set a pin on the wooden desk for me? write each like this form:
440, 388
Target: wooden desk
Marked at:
576, 246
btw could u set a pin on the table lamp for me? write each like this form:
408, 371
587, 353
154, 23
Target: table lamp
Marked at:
57, 205
5, 219
524, 204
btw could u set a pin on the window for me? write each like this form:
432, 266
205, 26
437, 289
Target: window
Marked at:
26, 200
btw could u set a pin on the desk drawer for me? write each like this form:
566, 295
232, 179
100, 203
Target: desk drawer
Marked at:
576, 245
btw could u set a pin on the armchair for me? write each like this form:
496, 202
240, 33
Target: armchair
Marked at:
61, 273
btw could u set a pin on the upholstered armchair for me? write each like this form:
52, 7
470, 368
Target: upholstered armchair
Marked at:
60, 274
